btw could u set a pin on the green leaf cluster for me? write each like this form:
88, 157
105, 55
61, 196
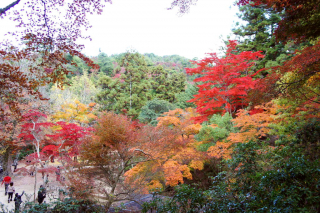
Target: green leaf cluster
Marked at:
135, 82
213, 134
153, 109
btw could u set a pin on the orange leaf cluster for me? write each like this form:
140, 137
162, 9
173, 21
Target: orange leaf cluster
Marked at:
221, 150
254, 126
181, 120
175, 172
172, 152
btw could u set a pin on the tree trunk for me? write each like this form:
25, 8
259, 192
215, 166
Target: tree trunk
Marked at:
7, 162
35, 184
130, 92
108, 205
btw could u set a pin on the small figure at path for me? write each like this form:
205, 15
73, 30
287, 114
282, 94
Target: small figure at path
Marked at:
11, 190
6, 180
32, 170
17, 202
15, 164
46, 180
41, 194
58, 174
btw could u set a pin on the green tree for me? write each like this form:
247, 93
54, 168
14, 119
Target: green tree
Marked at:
129, 89
183, 97
165, 84
153, 109
257, 33
216, 129
105, 63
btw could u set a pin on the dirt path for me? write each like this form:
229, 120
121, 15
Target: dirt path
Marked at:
26, 184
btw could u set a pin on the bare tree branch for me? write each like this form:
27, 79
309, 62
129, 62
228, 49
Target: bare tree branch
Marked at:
3, 10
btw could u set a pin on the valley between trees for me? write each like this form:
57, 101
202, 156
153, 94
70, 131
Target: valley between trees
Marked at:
236, 131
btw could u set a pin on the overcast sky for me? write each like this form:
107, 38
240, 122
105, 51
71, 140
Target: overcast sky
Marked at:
146, 26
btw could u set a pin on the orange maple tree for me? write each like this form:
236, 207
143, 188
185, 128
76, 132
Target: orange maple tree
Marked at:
253, 125
105, 156
171, 150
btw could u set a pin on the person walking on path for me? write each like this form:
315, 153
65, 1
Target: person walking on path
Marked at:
46, 180
6, 181
15, 164
58, 173
11, 190
17, 202
41, 194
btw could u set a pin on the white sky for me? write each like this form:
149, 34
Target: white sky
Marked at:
146, 26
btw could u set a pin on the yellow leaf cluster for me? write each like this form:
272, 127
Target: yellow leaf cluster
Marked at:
75, 112
196, 164
174, 151
192, 129
155, 185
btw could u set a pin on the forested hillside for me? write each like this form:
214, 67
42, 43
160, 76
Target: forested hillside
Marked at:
236, 131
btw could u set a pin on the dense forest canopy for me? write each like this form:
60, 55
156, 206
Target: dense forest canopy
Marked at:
237, 131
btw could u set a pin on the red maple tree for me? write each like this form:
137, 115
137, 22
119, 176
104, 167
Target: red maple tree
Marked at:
225, 81
67, 139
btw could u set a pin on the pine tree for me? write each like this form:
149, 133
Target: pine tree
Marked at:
129, 89
258, 33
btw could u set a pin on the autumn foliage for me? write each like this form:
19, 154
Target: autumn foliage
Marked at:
225, 82
171, 150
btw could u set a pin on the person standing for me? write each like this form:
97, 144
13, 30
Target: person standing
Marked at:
58, 173
11, 190
6, 181
17, 202
41, 194
46, 180
15, 164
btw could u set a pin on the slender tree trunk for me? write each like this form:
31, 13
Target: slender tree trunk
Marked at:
7, 162
35, 183
130, 91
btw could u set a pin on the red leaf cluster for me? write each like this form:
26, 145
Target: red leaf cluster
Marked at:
225, 82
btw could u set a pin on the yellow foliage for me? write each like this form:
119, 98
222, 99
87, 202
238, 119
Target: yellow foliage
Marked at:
75, 112
188, 154
155, 185
213, 125
196, 164
192, 129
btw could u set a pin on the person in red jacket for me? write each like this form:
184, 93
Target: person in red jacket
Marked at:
6, 180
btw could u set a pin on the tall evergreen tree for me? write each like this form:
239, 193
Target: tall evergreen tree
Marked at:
257, 34
167, 84
105, 63
129, 89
